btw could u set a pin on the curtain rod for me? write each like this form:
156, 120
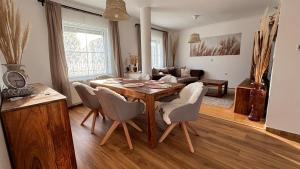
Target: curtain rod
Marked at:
152, 28
72, 8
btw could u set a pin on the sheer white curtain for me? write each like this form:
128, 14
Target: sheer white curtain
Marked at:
87, 45
157, 51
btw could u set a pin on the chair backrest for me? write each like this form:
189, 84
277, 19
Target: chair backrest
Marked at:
191, 92
87, 95
111, 102
169, 79
191, 110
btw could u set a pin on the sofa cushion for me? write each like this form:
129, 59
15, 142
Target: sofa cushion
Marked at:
187, 79
197, 73
172, 71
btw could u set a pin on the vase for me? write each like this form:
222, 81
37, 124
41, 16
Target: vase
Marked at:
134, 69
257, 101
15, 67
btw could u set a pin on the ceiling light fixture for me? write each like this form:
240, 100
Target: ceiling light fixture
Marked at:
115, 10
195, 17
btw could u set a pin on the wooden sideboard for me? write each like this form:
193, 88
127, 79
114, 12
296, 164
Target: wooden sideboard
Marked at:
37, 131
242, 98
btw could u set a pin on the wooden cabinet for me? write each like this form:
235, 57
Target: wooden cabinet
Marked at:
242, 98
37, 131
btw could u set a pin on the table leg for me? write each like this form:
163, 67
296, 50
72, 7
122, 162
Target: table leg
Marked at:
151, 123
226, 88
220, 91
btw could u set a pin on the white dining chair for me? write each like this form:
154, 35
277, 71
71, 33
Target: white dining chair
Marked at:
169, 79
183, 110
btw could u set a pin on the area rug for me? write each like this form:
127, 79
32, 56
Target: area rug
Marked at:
224, 102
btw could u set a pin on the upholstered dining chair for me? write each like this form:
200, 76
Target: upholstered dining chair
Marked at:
89, 100
183, 110
169, 79
120, 111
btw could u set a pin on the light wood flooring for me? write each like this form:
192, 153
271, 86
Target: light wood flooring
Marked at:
221, 144
228, 114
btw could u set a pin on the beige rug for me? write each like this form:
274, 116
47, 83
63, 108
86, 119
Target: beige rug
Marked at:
224, 102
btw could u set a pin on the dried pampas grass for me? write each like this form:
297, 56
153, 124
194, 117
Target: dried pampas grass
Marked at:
12, 38
263, 43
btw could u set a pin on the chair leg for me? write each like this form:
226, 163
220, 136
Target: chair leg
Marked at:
109, 132
102, 114
130, 122
167, 132
192, 129
187, 136
94, 121
86, 117
127, 135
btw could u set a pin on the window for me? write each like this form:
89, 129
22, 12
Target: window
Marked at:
157, 52
87, 52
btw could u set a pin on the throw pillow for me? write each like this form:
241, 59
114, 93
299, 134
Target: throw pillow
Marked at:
185, 72
155, 71
178, 71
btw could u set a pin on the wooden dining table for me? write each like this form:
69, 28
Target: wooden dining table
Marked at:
146, 93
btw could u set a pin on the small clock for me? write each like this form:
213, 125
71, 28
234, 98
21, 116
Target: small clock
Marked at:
14, 79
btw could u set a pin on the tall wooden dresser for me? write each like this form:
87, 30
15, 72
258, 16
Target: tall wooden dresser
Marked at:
37, 131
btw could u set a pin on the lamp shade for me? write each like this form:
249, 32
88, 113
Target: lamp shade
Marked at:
195, 38
115, 10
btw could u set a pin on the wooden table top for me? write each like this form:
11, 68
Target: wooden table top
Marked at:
118, 83
214, 82
41, 94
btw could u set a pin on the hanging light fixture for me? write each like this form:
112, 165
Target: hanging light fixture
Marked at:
195, 38
115, 10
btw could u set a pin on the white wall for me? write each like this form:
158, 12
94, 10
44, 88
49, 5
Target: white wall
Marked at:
232, 68
283, 110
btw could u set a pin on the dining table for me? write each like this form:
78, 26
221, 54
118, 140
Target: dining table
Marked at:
147, 90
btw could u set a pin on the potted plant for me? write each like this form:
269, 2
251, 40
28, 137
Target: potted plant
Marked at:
13, 38
261, 56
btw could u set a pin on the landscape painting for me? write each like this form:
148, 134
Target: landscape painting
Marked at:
217, 46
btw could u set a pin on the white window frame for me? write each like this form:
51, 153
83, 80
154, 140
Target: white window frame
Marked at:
100, 30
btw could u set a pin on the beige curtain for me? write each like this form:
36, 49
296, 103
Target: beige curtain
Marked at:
116, 47
138, 31
174, 39
166, 48
58, 63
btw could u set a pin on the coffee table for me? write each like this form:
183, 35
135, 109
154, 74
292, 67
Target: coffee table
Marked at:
216, 83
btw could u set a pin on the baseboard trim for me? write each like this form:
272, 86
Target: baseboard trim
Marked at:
284, 134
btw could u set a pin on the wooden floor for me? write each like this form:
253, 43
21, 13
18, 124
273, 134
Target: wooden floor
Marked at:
221, 144
228, 114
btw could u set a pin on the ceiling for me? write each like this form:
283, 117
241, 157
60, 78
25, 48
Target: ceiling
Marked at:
177, 14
